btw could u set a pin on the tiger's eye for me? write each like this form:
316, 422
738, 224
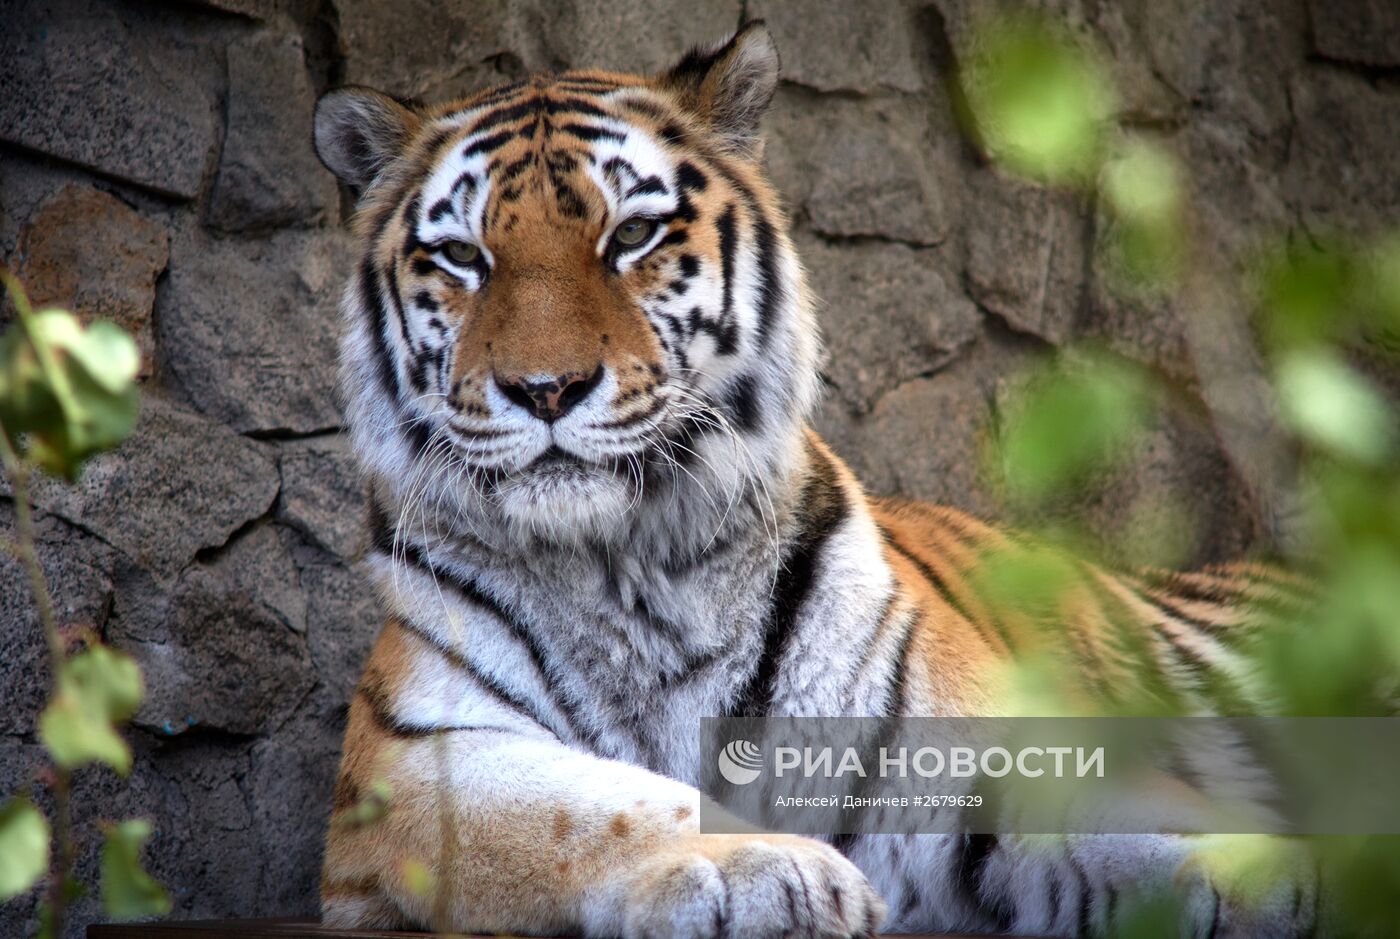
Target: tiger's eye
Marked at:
461, 252
634, 231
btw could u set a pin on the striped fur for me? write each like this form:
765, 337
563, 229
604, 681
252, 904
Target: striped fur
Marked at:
567, 597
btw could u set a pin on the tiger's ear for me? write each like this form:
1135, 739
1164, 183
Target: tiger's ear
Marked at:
358, 131
729, 85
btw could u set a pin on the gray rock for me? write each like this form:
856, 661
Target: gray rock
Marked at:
925, 440
1363, 31
268, 174
248, 328
879, 44
861, 167
322, 494
343, 620
471, 47
86, 251
1341, 171
180, 483
293, 782
1025, 256
78, 569
125, 94
254, 9
1140, 323
27, 181
225, 656
385, 46
888, 314
1230, 57
619, 35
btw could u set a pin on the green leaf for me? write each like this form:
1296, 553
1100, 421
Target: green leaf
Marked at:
96, 688
66, 393
1334, 407
1039, 102
108, 682
1068, 421
418, 878
1306, 296
24, 847
75, 737
1142, 187
128, 891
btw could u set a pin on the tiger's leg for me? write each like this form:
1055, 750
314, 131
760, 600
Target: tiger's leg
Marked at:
1082, 885
522, 834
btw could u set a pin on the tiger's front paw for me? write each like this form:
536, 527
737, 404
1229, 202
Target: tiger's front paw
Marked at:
748, 886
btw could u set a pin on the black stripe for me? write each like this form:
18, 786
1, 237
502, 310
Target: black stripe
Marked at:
486, 145
1086, 899
969, 875
489, 97
393, 286
378, 323
1167, 607
689, 178
769, 290
635, 418
890, 721
573, 105
823, 509
439, 209
468, 590
382, 714
570, 202
724, 226
1211, 680
741, 401
528, 108
591, 133
939, 585
487, 683
652, 184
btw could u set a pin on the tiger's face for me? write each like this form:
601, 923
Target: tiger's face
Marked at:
574, 288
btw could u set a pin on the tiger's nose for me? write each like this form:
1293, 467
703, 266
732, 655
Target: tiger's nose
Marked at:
549, 399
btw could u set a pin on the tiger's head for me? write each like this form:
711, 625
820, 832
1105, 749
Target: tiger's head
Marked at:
577, 295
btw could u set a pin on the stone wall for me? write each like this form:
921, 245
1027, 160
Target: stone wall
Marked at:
155, 168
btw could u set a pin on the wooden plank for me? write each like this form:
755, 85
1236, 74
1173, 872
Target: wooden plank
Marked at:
274, 929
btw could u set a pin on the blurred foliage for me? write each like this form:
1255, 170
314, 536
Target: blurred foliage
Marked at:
128, 891
1040, 103
24, 847
1327, 319
67, 393
417, 877
97, 688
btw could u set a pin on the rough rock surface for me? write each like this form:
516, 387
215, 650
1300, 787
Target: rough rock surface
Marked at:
119, 90
889, 313
1366, 32
268, 173
319, 479
155, 168
1025, 257
179, 484
226, 648
87, 251
247, 328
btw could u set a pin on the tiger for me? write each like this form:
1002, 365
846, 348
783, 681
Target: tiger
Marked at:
579, 364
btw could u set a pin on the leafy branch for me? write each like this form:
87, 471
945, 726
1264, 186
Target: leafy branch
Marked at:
1325, 321
68, 393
